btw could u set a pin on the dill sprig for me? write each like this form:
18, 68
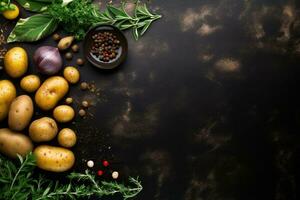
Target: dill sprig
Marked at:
18, 183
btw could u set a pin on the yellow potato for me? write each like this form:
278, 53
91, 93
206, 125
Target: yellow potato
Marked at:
16, 62
30, 83
71, 74
63, 113
50, 92
13, 143
7, 95
43, 129
20, 113
67, 138
54, 159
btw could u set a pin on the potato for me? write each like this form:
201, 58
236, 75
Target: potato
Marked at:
67, 137
13, 143
7, 95
20, 113
30, 83
71, 74
54, 159
63, 113
43, 129
50, 92
16, 62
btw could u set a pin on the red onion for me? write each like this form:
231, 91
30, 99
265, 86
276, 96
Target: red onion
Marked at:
48, 60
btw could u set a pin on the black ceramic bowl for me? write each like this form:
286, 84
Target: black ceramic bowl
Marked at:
122, 52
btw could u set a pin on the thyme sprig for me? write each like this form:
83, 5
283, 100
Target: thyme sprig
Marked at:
18, 182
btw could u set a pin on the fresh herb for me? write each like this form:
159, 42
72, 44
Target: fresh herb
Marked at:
76, 17
18, 182
6, 5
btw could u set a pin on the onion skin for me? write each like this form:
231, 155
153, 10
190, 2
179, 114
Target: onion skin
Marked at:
48, 60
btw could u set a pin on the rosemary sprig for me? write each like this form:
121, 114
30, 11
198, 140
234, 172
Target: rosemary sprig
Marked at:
19, 183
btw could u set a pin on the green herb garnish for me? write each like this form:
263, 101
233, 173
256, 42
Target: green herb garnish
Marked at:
18, 182
6, 5
76, 17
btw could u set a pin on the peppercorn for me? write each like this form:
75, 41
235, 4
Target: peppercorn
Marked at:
75, 48
105, 163
82, 113
56, 37
100, 172
69, 55
115, 175
84, 86
79, 61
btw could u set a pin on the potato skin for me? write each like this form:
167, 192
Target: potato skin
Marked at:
20, 113
71, 74
67, 138
63, 113
50, 92
16, 62
54, 159
7, 95
13, 143
43, 129
30, 83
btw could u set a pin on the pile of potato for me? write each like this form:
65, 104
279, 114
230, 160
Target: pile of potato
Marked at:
19, 111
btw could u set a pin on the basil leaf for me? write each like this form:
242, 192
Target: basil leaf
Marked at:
33, 5
33, 28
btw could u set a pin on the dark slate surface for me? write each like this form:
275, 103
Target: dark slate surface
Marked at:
206, 105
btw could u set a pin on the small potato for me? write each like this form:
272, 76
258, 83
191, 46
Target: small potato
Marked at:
54, 159
43, 129
7, 95
16, 62
63, 113
13, 143
71, 74
20, 113
50, 92
30, 83
67, 138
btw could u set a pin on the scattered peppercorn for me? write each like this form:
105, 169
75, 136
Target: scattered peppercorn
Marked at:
105, 163
100, 172
79, 61
82, 113
69, 100
56, 37
105, 46
115, 175
84, 86
69, 55
85, 104
90, 163
75, 48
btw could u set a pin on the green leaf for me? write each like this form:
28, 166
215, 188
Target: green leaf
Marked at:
116, 11
146, 26
135, 33
33, 5
33, 28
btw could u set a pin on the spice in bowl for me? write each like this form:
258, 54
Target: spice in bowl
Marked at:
105, 46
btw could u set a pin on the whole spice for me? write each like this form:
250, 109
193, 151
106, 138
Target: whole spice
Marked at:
105, 46
56, 37
79, 61
105, 163
85, 104
115, 175
90, 163
69, 100
82, 113
84, 86
47, 60
69, 55
75, 48
100, 172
